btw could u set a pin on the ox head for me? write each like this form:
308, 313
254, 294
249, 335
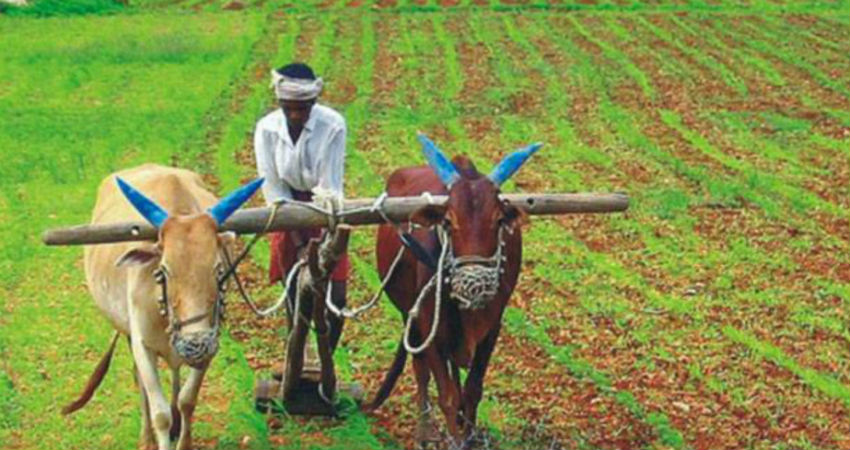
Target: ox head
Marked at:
474, 214
188, 261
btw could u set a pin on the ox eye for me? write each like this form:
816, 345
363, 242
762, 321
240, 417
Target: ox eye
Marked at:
449, 220
448, 223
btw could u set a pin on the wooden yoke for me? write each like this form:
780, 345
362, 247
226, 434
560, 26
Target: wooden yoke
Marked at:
353, 212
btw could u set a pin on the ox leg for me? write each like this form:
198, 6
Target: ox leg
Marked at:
146, 434
175, 412
474, 386
160, 410
146, 439
425, 430
449, 395
187, 400
455, 372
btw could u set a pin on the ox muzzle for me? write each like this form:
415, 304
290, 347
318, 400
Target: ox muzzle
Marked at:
475, 280
196, 348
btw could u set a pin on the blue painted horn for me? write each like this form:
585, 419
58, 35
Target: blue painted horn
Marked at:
226, 206
512, 163
152, 212
441, 165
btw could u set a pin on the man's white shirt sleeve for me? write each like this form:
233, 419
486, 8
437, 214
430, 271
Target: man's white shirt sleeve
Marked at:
274, 189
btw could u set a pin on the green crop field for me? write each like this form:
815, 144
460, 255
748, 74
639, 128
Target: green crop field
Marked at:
714, 314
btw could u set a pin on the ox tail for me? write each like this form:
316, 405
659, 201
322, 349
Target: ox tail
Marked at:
390, 379
94, 379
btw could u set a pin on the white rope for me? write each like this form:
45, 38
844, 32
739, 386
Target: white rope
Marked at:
427, 196
414, 312
356, 312
308, 205
334, 213
280, 301
328, 401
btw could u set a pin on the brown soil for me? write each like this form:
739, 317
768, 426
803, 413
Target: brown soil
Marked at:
537, 390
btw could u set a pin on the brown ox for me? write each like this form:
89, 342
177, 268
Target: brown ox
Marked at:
165, 295
480, 277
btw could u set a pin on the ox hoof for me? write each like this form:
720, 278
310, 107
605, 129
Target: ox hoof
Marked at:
428, 436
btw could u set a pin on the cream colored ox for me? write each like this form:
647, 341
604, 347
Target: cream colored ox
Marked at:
165, 295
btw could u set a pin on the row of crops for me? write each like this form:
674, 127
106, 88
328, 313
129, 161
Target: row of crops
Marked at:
711, 315
406, 6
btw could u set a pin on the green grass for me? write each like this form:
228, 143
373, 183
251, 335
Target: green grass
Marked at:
95, 95
702, 58
48, 8
822, 383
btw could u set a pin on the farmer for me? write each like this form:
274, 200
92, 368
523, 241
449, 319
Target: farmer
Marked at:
300, 150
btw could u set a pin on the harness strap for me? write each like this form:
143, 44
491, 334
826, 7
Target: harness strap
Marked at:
166, 309
180, 324
417, 249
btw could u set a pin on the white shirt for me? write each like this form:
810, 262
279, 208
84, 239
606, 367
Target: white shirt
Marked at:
317, 160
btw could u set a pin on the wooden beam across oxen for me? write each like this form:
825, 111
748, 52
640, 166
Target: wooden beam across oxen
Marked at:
353, 212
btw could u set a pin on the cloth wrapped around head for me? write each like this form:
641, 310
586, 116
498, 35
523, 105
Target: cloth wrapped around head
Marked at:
288, 88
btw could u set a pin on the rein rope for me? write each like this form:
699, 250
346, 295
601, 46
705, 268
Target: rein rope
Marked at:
414, 311
474, 279
336, 217
473, 284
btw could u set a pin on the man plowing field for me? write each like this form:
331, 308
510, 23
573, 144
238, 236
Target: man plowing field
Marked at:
300, 150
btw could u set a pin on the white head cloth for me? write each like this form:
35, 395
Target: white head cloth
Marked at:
286, 88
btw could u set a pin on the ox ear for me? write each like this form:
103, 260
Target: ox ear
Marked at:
152, 212
512, 163
428, 215
512, 215
441, 165
139, 256
229, 204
